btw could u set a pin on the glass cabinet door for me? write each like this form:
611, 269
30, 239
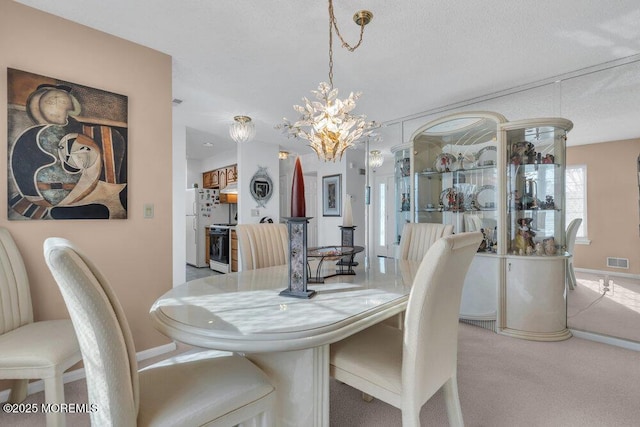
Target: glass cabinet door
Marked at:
456, 174
536, 186
402, 172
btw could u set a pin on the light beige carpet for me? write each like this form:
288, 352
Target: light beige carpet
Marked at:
503, 382
615, 314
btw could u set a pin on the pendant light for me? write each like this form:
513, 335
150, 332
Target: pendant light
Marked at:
327, 124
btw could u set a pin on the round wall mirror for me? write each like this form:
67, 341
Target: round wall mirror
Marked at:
261, 187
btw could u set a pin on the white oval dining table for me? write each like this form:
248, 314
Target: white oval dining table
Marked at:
288, 338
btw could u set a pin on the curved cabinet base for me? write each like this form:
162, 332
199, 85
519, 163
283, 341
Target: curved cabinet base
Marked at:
538, 336
479, 317
536, 298
480, 293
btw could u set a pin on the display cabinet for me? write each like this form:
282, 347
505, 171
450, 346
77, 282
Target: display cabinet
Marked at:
457, 181
535, 290
477, 171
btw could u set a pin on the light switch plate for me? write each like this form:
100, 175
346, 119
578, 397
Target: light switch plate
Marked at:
148, 210
255, 212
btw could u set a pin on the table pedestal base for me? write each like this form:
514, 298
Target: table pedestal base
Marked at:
301, 379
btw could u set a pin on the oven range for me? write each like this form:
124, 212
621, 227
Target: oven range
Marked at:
219, 247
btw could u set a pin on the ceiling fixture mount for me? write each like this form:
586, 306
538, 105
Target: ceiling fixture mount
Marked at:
375, 159
362, 17
283, 155
328, 124
242, 129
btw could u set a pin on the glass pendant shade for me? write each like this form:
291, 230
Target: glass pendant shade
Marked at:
242, 130
375, 159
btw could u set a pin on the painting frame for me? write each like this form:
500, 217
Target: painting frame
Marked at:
332, 195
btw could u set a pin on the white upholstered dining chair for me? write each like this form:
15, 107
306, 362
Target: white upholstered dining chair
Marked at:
262, 245
221, 391
404, 368
415, 241
572, 232
472, 222
28, 349
417, 238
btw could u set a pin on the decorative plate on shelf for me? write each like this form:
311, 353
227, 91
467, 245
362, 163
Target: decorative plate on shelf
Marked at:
485, 198
444, 161
488, 156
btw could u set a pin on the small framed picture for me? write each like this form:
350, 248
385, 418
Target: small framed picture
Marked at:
331, 195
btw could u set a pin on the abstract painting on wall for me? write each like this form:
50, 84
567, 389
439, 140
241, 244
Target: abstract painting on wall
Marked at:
67, 150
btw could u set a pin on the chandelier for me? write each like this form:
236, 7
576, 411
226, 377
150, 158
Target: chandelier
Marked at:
242, 129
375, 159
327, 124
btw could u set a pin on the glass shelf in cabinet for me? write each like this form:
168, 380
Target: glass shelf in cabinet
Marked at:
469, 210
487, 252
474, 169
535, 210
532, 167
477, 168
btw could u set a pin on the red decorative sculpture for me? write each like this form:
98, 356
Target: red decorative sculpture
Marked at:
297, 192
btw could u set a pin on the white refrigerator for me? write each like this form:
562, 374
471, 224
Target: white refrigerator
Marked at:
203, 208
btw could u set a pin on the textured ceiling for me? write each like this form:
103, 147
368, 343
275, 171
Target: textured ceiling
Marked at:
258, 58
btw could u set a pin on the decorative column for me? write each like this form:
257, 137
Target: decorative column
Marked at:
297, 228
347, 240
298, 267
347, 230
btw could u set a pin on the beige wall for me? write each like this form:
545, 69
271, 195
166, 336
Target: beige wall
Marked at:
135, 253
612, 204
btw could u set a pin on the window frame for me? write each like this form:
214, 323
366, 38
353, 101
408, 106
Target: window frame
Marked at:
583, 232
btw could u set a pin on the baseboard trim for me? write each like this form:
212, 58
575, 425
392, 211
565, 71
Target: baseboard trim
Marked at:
605, 339
78, 374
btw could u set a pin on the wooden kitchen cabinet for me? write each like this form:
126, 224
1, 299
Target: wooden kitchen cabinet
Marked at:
234, 251
220, 178
206, 180
232, 174
210, 179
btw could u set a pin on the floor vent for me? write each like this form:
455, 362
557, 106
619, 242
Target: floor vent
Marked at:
485, 324
617, 262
